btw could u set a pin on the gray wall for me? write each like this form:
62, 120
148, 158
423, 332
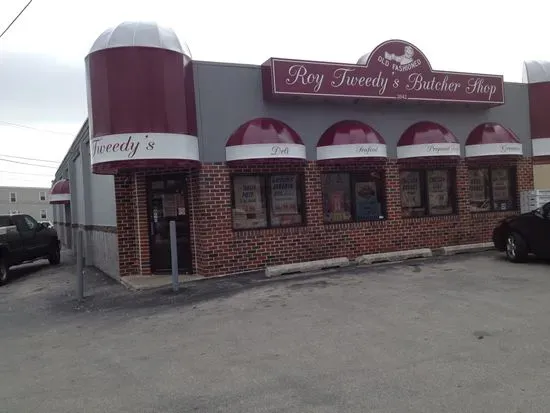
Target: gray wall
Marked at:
229, 95
92, 206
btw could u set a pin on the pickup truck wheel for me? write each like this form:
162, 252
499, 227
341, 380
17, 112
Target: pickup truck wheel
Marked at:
54, 256
3, 272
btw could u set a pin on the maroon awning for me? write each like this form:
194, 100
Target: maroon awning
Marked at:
492, 139
264, 138
350, 139
60, 192
427, 139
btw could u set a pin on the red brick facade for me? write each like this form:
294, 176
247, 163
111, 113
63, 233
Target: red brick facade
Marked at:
218, 249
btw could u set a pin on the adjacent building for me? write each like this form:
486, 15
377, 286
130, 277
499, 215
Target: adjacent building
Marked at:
26, 200
289, 161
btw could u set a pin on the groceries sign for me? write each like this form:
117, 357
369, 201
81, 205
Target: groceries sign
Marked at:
395, 70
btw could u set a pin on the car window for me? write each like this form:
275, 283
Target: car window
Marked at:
5, 222
31, 223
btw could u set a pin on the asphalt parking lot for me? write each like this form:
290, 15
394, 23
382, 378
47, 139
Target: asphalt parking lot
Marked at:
465, 334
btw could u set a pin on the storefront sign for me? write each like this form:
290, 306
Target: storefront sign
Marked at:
370, 150
501, 189
395, 70
265, 151
494, 149
143, 146
428, 149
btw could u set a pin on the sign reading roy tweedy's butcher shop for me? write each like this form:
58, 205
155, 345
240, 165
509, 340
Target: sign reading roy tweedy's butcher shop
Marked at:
395, 70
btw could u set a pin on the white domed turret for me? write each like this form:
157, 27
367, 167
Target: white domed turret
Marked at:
363, 59
140, 34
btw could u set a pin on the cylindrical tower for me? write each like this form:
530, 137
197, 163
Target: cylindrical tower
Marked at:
141, 103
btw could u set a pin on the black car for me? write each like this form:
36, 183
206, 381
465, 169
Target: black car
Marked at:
524, 234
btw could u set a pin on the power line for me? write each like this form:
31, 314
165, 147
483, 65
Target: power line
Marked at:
15, 19
17, 125
26, 163
25, 173
29, 159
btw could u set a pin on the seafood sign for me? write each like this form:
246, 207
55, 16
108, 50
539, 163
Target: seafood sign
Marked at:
395, 70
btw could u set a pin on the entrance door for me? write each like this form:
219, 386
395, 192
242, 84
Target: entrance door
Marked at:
168, 202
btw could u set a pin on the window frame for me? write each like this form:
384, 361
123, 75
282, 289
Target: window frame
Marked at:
355, 177
45, 215
512, 181
40, 196
14, 197
424, 193
265, 178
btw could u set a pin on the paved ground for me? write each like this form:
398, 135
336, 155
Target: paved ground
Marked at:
468, 334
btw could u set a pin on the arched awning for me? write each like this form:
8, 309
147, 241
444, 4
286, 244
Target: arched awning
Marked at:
60, 192
492, 139
350, 139
427, 139
266, 139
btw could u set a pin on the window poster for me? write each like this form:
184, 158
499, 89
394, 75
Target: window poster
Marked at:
366, 201
249, 209
438, 192
284, 194
284, 200
336, 197
500, 183
410, 189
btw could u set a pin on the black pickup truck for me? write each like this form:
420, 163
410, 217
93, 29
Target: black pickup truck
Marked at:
22, 239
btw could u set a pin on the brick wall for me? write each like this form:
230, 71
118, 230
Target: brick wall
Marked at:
218, 249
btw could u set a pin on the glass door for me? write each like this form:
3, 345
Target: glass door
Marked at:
168, 202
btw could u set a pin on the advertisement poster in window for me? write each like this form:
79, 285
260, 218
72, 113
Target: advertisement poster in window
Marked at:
438, 192
501, 188
284, 200
336, 196
410, 189
249, 211
366, 201
479, 198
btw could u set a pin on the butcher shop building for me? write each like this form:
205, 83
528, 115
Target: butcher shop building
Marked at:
292, 160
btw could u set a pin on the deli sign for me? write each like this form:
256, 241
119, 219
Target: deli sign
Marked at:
395, 70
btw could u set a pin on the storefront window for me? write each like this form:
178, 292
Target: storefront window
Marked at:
255, 195
352, 197
427, 192
492, 189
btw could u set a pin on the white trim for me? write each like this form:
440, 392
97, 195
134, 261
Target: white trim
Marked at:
494, 149
60, 197
541, 146
265, 151
428, 149
357, 150
143, 146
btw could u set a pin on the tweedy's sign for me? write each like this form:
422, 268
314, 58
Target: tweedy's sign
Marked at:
395, 70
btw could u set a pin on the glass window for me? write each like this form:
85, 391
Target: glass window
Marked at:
43, 214
42, 195
427, 192
352, 197
255, 195
30, 222
492, 189
13, 197
336, 189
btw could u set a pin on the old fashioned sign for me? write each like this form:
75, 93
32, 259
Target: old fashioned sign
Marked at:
395, 70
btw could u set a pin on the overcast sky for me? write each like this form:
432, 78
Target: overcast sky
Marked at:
42, 82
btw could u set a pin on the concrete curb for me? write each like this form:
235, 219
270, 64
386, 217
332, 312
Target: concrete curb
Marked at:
465, 248
307, 266
393, 256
